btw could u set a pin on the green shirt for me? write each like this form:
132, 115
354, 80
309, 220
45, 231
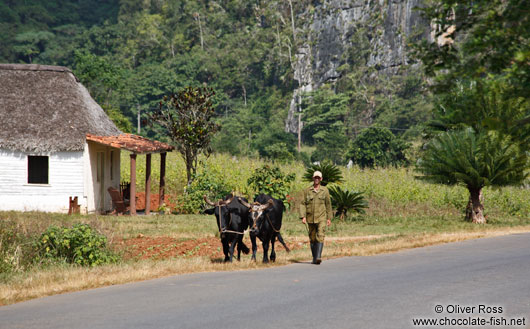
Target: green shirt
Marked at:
316, 206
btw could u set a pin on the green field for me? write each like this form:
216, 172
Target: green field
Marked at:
394, 188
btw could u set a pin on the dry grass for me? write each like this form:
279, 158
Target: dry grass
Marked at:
67, 279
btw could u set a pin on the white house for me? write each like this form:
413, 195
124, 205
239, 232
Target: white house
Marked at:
56, 142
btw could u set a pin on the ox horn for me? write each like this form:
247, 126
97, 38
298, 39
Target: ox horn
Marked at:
246, 204
210, 202
229, 200
269, 203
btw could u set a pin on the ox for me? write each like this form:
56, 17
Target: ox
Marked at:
265, 219
232, 221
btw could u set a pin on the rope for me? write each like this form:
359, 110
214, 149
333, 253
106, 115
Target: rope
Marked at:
270, 222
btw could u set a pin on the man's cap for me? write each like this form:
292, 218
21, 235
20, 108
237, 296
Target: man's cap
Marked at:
317, 174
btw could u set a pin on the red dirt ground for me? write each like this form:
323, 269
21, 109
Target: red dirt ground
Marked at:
143, 247
140, 201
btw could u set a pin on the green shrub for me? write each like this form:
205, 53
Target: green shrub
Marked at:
80, 245
345, 200
270, 180
207, 181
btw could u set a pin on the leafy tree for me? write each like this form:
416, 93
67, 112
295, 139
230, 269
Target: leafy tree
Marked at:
275, 144
330, 173
186, 118
474, 160
378, 147
344, 201
484, 39
478, 59
483, 104
331, 147
120, 120
323, 110
30, 44
101, 77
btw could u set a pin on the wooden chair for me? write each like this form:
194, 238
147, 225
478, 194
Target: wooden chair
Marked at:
125, 190
74, 207
120, 206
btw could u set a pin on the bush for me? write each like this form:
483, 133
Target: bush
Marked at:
271, 181
208, 181
80, 245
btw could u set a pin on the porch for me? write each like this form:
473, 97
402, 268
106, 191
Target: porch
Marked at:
139, 145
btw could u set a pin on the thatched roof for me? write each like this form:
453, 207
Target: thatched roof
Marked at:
45, 109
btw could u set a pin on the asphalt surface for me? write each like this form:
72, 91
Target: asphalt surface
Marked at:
485, 279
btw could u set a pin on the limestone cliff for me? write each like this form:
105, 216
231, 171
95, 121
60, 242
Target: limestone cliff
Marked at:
329, 26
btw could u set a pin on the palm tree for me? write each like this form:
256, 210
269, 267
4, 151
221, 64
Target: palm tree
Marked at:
330, 173
344, 200
475, 160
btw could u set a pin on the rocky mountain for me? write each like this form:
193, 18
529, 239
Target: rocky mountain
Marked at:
328, 27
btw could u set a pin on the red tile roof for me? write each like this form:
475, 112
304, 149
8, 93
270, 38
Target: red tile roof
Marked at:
134, 143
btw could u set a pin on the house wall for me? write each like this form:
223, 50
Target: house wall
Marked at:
65, 180
98, 198
70, 174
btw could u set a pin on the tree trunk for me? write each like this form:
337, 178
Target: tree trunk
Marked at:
292, 21
188, 173
188, 159
475, 209
200, 29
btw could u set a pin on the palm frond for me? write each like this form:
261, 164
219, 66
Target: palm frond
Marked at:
330, 173
473, 159
345, 200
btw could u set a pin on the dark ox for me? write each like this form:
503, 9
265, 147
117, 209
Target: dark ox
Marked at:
265, 219
232, 221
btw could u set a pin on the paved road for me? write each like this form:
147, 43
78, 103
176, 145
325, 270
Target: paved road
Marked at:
384, 291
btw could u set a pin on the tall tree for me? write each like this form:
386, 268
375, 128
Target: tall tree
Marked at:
478, 39
377, 147
30, 44
479, 60
186, 118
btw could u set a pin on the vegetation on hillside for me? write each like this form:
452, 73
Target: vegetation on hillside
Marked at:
130, 54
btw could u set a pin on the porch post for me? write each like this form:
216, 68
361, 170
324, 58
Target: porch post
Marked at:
133, 185
147, 184
161, 191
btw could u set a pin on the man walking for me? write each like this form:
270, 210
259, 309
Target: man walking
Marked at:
315, 211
